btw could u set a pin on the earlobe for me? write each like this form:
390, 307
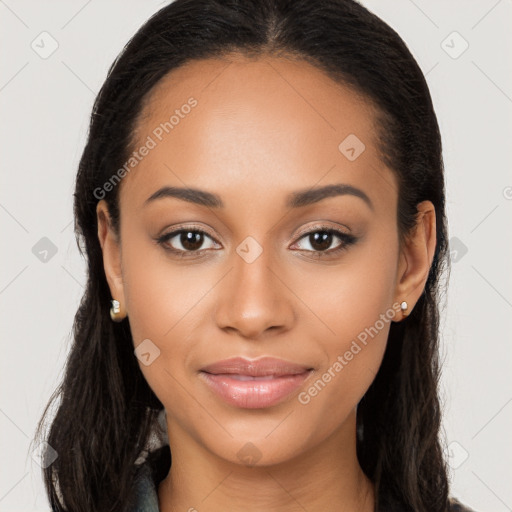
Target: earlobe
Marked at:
111, 249
417, 256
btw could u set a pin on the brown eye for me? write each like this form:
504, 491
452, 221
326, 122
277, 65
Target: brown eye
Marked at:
321, 240
191, 240
185, 241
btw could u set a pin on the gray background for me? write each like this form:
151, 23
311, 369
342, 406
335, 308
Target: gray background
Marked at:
45, 104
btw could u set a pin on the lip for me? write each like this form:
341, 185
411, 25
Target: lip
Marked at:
254, 384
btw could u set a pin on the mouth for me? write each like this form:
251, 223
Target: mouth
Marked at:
254, 384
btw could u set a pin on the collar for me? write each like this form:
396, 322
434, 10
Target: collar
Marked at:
145, 492
148, 476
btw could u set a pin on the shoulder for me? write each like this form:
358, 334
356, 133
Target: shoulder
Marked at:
457, 506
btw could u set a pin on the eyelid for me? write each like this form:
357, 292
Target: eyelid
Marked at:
323, 226
186, 227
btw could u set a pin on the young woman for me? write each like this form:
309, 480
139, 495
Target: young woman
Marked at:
261, 205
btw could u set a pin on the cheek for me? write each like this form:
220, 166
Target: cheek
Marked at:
164, 304
335, 391
160, 294
365, 287
352, 357
347, 298
354, 309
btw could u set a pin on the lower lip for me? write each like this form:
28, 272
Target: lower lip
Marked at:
254, 394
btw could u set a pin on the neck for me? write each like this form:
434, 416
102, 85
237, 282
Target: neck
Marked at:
327, 477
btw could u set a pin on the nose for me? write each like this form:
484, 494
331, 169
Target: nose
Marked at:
254, 299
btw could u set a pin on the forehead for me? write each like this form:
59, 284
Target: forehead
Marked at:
257, 126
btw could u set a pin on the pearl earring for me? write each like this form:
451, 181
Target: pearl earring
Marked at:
115, 309
404, 307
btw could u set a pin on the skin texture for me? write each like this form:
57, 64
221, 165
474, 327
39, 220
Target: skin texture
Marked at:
262, 129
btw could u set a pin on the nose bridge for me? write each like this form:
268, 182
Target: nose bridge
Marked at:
253, 298
253, 265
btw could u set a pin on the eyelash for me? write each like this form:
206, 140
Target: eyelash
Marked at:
346, 238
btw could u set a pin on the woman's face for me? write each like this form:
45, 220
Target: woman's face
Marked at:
265, 279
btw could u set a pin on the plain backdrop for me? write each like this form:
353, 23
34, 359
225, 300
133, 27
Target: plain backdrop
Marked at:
463, 47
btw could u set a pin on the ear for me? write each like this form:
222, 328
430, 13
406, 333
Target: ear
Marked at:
111, 248
416, 256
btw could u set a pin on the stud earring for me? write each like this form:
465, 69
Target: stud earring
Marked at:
404, 307
115, 311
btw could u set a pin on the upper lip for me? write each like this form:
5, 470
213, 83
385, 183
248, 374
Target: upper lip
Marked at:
256, 367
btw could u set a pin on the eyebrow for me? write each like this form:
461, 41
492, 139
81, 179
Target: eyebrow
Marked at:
296, 199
